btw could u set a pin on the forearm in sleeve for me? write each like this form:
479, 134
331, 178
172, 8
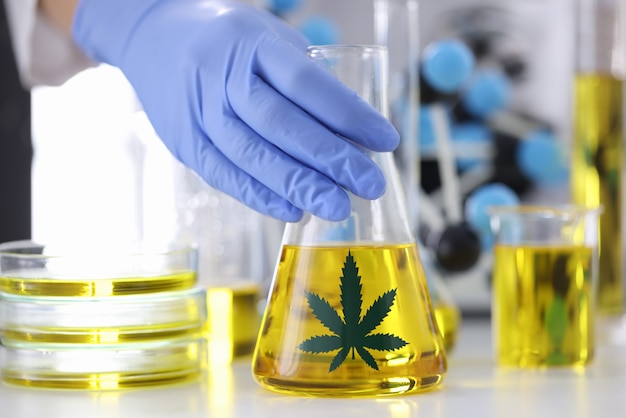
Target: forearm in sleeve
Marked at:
43, 48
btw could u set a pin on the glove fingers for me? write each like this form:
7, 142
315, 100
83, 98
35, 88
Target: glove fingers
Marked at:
303, 138
304, 187
322, 95
222, 174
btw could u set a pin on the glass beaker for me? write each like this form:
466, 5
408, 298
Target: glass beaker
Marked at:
230, 240
231, 267
598, 142
349, 313
544, 274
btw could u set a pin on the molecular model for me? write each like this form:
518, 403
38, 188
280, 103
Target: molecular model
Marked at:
474, 150
317, 28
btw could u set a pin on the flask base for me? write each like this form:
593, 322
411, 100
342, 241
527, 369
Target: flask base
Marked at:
351, 389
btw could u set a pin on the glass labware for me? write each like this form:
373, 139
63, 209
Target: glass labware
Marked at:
597, 158
396, 26
85, 317
544, 282
230, 239
103, 320
80, 270
102, 366
349, 313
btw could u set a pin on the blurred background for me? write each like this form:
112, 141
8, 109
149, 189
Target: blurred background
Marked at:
98, 170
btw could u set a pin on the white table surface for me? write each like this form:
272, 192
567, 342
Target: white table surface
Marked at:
474, 387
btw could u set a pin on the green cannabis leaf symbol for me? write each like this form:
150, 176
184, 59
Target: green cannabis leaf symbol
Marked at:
352, 333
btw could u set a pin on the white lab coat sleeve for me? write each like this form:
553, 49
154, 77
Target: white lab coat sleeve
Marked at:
44, 55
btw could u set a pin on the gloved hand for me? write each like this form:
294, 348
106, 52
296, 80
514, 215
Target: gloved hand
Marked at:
231, 93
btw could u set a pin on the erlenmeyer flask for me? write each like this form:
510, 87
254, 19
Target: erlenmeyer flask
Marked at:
447, 313
349, 312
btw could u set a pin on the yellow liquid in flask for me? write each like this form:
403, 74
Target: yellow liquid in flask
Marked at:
544, 310
349, 321
597, 165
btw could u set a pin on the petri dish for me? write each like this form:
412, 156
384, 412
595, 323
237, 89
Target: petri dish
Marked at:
102, 367
106, 320
30, 269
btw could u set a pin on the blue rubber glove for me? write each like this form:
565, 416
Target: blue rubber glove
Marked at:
231, 93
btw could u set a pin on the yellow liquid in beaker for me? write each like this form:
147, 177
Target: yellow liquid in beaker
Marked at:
72, 287
373, 368
596, 173
448, 320
232, 322
543, 312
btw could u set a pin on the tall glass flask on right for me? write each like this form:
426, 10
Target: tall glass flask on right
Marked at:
598, 148
349, 313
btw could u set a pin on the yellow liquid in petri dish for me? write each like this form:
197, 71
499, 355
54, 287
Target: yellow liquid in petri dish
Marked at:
596, 175
113, 367
109, 335
101, 287
233, 321
102, 381
544, 307
403, 353
116, 319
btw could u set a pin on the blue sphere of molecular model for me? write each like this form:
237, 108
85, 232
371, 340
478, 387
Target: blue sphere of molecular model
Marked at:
447, 65
541, 159
478, 203
472, 142
283, 6
489, 91
320, 30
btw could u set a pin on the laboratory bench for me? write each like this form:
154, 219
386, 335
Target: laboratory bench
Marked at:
474, 387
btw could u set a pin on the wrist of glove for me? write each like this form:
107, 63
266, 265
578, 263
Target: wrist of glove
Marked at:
231, 93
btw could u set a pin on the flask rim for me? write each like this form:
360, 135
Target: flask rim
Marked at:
313, 49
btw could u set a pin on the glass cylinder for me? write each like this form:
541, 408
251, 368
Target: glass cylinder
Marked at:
598, 148
230, 239
396, 27
349, 313
231, 267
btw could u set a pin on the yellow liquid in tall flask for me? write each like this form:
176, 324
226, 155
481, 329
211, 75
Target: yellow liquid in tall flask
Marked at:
597, 166
349, 320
